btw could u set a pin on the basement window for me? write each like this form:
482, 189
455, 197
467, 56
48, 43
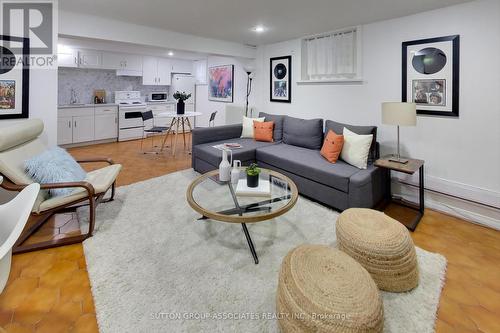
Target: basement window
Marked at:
332, 57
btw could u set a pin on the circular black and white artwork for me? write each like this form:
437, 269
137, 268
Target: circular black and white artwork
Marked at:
280, 71
429, 60
7, 60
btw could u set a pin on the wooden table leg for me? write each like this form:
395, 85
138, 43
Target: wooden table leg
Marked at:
191, 133
176, 136
183, 131
167, 134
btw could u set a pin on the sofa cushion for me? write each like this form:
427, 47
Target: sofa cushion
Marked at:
212, 155
308, 163
278, 124
263, 131
307, 133
362, 130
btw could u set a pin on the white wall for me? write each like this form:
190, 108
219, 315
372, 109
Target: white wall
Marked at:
462, 155
240, 85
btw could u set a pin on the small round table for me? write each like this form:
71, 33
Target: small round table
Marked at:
178, 120
221, 201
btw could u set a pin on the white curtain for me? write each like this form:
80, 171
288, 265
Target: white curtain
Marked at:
331, 55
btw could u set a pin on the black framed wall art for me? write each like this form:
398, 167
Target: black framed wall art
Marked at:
14, 77
431, 69
281, 79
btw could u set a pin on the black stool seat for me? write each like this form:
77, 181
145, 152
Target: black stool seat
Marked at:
156, 129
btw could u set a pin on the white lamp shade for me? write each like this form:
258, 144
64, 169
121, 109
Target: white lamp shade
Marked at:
400, 114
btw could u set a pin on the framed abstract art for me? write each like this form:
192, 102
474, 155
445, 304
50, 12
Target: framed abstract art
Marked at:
281, 79
431, 75
221, 83
14, 77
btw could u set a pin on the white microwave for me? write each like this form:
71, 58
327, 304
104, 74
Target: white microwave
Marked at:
158, 96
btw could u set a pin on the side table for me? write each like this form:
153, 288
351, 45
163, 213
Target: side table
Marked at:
410, 168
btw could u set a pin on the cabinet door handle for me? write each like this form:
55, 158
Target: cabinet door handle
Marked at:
69, 123
75, 123
159, 79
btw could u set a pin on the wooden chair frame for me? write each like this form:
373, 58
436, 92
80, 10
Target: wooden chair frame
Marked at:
40, 218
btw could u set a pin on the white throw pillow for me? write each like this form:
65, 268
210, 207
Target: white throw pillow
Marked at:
248, 127
356, 148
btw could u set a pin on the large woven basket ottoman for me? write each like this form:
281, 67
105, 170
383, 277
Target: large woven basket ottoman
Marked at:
380, 244
321, 289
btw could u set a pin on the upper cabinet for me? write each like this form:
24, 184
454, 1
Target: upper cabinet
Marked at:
90, 59
121, 61
156, 71
67, 57
182, 66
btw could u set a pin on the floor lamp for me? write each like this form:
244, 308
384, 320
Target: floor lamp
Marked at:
249, 71
399, 114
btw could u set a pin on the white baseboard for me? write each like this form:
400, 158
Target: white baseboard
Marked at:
479, 206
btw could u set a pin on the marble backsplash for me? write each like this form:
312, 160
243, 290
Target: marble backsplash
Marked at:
85, 81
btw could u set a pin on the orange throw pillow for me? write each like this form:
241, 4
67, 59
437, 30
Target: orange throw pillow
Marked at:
263, 131
332, 146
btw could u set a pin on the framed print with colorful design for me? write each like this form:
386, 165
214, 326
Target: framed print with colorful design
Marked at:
14, 77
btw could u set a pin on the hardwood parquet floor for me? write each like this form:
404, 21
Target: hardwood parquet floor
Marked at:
49, 290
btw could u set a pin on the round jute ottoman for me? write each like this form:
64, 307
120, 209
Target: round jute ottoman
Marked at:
380, 244
321, 289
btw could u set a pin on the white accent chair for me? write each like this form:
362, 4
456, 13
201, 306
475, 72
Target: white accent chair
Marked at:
18, 143
14, 216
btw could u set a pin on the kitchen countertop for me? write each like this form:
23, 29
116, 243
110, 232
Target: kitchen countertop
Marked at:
90, 105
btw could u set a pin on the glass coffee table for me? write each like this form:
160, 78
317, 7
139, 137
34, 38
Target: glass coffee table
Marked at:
218, 200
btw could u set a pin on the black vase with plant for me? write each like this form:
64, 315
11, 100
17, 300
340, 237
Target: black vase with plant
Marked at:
253, 172
181, 97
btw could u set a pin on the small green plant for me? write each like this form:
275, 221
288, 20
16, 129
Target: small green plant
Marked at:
181, 95
253, 169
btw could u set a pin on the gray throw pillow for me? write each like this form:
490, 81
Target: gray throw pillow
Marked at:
307, 133
55, 165
362, 130
278, 124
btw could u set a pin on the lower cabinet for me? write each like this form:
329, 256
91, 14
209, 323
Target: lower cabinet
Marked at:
86, 124
64, 130
83, 129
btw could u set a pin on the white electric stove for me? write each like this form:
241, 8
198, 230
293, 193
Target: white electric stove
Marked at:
130, 109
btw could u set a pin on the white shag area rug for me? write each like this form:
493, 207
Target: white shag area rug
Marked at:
154, 268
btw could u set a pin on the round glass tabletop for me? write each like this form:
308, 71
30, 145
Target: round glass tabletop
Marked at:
236, 203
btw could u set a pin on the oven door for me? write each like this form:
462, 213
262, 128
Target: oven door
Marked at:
131, 117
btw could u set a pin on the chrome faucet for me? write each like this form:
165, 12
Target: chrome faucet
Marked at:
74, 97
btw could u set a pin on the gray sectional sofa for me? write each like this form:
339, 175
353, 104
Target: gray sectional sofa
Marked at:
295, 152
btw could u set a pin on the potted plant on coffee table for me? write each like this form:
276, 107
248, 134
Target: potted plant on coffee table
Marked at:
181, 97
253, 172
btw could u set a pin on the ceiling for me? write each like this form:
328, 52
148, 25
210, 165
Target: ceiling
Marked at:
232, 20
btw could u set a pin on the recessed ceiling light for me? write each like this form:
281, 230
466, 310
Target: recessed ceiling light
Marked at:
170, 53
259, 29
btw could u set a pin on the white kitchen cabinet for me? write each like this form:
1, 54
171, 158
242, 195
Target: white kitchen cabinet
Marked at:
182, 66
106, 127
89, 59
106, 122
156, 71
83, 128
67, 57
120, 61
64, 130
164, 72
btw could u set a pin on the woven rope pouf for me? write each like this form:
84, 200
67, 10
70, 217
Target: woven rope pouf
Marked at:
321, 289
380, 244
